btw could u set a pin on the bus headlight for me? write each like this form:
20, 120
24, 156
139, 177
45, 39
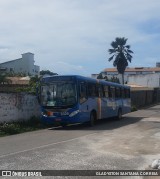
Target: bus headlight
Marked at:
74, 113
44, 114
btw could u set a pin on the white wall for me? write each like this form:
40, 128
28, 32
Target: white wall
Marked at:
18, 106
94, 76
23, 65
28, 62
148, 80
36, 70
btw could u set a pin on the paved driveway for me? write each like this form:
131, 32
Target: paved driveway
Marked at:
130, 144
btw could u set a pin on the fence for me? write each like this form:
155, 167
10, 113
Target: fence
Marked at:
141, 98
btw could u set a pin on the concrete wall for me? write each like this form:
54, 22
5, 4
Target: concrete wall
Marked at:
18, 106
148, 80
22, 106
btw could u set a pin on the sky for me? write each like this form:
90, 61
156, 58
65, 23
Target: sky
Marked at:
73, 36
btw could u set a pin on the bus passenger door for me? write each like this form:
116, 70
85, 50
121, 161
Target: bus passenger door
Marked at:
103, 102
107, 102
112, 106
83, 102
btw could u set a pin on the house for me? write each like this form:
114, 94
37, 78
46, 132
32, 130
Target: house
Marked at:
19, 80
148, 76
24, 65
147, 80
132, 71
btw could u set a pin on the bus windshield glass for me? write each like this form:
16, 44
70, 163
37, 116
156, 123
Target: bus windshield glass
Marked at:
58, 94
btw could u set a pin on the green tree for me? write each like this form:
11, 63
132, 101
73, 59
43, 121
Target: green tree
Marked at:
34, 79
106, 78
121, 55
100, 76
13, 74
47, 72
33, 84
114, 79
4, 80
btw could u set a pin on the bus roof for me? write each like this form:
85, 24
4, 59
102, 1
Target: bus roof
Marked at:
74, 77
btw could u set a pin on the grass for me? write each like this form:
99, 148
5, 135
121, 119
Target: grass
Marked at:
20, 127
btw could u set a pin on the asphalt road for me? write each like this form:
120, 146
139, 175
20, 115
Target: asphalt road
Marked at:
130, 144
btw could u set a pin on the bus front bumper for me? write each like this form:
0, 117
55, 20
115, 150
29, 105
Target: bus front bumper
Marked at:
63, 120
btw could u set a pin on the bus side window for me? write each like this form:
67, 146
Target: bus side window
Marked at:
101, 91
83, 92
127, 93
109, 92
118, 92
123, 92
112, 89
92, 90
106, 91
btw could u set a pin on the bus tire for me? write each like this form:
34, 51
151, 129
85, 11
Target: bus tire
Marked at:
92, 118
64, 126
119, 114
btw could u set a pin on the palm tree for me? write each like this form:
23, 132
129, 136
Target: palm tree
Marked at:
121, 55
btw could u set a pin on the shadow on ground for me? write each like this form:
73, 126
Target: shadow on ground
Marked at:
104, 124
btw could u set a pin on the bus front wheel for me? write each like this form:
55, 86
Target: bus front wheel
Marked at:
64, 125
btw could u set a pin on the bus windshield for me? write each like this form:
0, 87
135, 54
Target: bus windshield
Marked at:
58, 94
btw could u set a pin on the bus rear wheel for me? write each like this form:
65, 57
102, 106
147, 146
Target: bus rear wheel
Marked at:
92, 119
119, 115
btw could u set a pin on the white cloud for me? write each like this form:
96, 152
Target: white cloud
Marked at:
64, 68
67, 68
76, 32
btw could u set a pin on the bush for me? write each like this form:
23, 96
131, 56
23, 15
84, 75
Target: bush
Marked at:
19, 127
33, 121
133, 108
10, 128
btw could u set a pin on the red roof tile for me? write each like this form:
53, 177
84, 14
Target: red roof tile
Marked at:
136, 69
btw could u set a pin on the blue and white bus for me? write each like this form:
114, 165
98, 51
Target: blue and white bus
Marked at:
76, 99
